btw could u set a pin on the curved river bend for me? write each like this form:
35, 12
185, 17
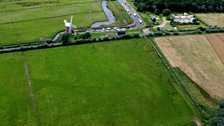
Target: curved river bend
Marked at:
109, 14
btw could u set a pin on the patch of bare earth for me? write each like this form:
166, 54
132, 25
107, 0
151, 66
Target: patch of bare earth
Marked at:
218, 44
196, 57
212, 18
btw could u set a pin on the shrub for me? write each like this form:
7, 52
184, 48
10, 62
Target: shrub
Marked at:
199, 31
201, 28
85, 35
120, 32
166, 12
158, 33
218, 119
176, 33
137, 35
127, 36
156, 12
168, 18
221, 104
65, 37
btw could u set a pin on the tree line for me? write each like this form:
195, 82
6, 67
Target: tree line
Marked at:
218, 119
180, 5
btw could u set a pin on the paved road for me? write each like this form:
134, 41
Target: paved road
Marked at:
109, 14
132, 13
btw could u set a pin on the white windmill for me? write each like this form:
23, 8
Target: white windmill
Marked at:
69, 26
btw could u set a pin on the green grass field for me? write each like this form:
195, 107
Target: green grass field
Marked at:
28, 24
15, 106
114, 83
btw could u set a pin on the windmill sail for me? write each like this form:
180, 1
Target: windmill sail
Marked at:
70, 30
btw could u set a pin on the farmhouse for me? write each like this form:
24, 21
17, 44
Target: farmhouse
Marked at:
153, 18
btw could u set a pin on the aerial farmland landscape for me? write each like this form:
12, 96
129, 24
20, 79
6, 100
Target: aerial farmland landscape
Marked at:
111, 63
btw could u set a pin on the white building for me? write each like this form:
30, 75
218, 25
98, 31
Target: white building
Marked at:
183, 18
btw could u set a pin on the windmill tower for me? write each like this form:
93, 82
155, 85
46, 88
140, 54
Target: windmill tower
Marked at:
69, 26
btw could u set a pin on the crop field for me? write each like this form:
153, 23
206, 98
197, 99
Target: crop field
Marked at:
214, 19
217, 42
189, 27
32, 20
195, 56
114, 83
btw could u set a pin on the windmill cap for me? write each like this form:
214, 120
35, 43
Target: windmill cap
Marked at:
67, 24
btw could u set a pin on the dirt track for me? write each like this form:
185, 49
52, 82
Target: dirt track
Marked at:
217, 42
30, 88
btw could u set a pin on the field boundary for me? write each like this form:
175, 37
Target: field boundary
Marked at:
40, 45
30, 88
186, 95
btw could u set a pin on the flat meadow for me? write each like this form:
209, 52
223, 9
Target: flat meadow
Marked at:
113, 83
15, 106
28, 21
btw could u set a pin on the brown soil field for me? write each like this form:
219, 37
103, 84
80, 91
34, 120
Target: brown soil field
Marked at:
195, 56
217, 42
212, 18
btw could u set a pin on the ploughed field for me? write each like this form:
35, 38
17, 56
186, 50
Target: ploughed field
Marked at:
29, 20
114, 83
217, 42
199, 57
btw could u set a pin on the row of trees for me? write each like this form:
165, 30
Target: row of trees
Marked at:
65, 39
218, 119
181, 5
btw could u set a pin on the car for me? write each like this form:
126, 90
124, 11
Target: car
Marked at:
140, 20
123, 29
98, 30
134, 14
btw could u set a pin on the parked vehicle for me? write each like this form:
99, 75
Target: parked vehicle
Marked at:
140, 20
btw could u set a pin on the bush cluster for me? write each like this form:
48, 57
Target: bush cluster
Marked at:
218, 119
197, 6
